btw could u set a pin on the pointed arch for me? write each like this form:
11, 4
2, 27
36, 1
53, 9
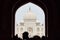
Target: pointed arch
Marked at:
31, 13
20, 3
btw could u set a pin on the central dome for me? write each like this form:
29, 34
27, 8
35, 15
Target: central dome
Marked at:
29, 15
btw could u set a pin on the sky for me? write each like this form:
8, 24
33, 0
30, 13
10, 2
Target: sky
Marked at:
25, 8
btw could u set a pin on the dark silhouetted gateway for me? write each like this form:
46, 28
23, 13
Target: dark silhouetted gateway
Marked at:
17, 30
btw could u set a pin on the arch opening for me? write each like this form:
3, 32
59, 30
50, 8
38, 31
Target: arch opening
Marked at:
31, 18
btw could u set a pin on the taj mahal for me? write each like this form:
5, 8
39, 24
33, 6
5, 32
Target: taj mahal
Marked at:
30, 25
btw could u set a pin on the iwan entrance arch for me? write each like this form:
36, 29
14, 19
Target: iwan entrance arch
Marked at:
38, 3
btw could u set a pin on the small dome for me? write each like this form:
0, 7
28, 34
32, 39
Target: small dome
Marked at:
30, 15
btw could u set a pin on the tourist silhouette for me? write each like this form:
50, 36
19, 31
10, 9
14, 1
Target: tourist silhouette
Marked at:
16, 37
44, 38
36, 37
19, 39
31, 38
25, 36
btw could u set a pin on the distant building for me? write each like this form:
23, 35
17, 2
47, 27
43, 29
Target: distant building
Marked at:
30, 25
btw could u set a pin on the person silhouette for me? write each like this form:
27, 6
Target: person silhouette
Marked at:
31, 38
44, 38
16, 37
25, 36
36, 37
19, 39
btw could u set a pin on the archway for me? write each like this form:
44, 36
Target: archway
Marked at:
32, 19
40, 5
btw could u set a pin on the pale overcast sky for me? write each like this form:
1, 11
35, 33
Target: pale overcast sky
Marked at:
34, 8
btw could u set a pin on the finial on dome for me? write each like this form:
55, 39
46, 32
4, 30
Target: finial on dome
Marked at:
29, 9
29, 14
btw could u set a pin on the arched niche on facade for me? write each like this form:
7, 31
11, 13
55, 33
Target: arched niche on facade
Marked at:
38, 3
